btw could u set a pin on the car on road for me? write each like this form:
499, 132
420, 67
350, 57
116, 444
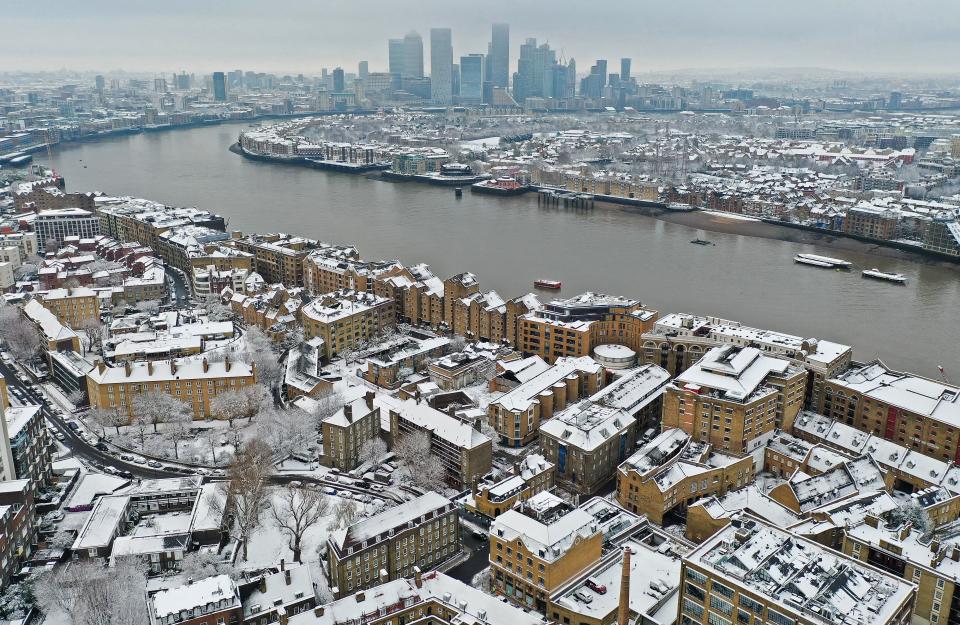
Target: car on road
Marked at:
125, 474
154, 464
346, 494
330, 491
171, 469
126, 457
376, 488
478, 535
218, 472
73, 425
59, 436
102, 446
139, 460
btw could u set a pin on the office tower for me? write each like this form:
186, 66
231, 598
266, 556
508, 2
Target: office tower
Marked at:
101, 83
395, 50
602, 72
160, 85
219, 87
455, 79
182, 81
534, 60
412, 56
556, 81
441, 65
624, 70
471, 78
338, 84
363, 70
498, 60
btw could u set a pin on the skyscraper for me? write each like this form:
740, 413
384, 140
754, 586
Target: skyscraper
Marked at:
441, 65
363, 70
499, 56
219, 87
624, 70
532, 65
395, 51
412, 56
338, 82
471, 78
101, 83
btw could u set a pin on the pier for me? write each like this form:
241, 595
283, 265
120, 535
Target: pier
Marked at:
554, 197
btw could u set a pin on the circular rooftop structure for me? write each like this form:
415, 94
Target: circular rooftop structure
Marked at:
615, 356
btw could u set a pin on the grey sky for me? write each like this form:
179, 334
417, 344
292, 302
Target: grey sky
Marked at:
306, 35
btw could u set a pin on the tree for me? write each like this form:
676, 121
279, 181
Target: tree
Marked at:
20, 335
260, 351
201, 564
94, 331
92, 594
228, 405
180, 422
297, 510
246, 488
216, 309
418, 466
286, 430
345, 513
490, 432
150, 306
157, 407
374, 450
913, 513
292, 339
108, 418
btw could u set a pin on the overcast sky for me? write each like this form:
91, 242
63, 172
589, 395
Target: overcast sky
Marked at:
292, 36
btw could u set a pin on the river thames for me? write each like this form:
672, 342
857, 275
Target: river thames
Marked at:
509, 242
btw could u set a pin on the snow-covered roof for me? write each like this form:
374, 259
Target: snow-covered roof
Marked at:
169, 370
546, 525
634, 390
218, 591
735, 373
292, 585
51, 327
520, 398
376, 527
440, 424
587, 425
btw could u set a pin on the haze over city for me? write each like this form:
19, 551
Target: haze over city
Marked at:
294, 36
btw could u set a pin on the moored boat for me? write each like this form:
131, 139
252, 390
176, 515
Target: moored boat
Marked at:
822, 261
876, 274
680, 207
547, 284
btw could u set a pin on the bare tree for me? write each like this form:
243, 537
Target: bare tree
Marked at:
92, 594
179, 423
94, 331
158, 407
373, 450
286, 431
228, 405
260, 351
200, 564
150, 306
418, 466
344, 514
20, 335
108, 417
490, 432
296, 511
216, 309
247, 488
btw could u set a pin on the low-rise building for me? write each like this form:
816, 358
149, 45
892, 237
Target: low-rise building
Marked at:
474, 364
769, 575
194, 382
420, 533
346, 431
586, 442
72, 307
209, 600
735, 398
390, 367
278, 596
639, 393
532, 475
56, 336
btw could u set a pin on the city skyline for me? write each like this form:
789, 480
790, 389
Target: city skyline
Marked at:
749, 35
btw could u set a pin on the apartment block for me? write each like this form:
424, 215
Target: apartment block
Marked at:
194, 382
919, 413
672, 471
346, 431
55, 335
586, 442
575, 326
18, 525
274, 310
752, 572
679, 340
517, 415
735, 398
345, 319
56, 224
410, 353
278, 257
417, 534
205, 601
72, 307
530, 476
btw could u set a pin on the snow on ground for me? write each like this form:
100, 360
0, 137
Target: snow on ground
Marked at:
269, 543
726, 215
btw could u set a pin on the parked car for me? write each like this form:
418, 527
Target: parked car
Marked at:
126, 457
102, 446
330, 491
139, 460
154, 464
596, 586
478, 535
171, 469
582, 596
59, 436
73, 425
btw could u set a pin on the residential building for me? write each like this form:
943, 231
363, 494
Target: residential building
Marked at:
802, 493
195, 382
575, 326
17, 248
56, 335
278, 257
871, 221
389, 367
275, 310
530, 476
346, 431
73, 307
586, 442
672, 471
57, 224
345, 319
26, 440
751, 571
679, 340
735, 398
538, 546
209, 600
517, 415
639, 393
18, 525
277, 596
464, 452
919, 413
475, 364
417, 534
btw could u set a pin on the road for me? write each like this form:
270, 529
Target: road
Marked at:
77, 445
179, 293
478, 560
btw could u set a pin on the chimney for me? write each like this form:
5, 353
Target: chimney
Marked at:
263, 584
284, 618
206, 365
101, 366
286, 577
872, 520
623, 610
369, 397
905, 530
348, 412
127, 369
173, 367
418, 577
360, 597
226, 363
318, 611
150, 367
283, 564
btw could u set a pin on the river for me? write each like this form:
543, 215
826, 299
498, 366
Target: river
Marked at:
509, 242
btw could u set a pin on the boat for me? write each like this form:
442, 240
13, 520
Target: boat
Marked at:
680, 207
458, 191
876, 274
702, 242
547, 284
822, 261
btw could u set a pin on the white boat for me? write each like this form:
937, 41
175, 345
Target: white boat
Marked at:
810, 261
680, 207
876, 274
821, 261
